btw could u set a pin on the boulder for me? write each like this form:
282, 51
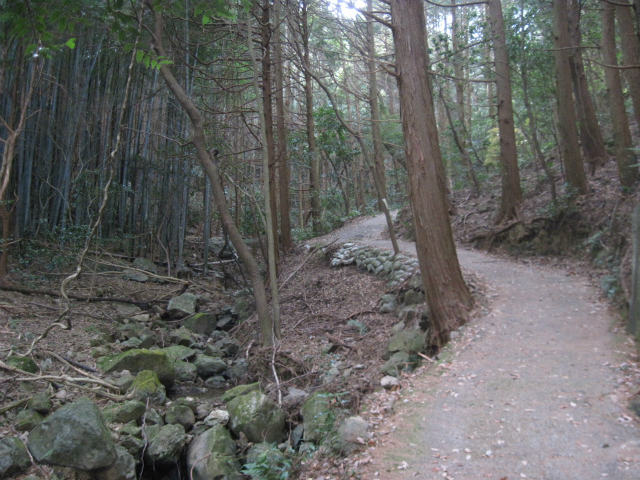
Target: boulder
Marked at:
202, 323
389, 383
352, 434
217, 416
27, 420
294, 398
129, 411
240, 390
182, 336
138, 360
14, 457
212, 455
180, 414
147, 386
166, 446
23, 363
413, 297
179, 352
227, 345
145, 264
317, 417
135, 275
209, 366
409, 341
124, 468
217, 382
182, 305
73, 436
257, 417
238, 370
185, 371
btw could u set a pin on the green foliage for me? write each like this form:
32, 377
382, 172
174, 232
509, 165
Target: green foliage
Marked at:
270, 465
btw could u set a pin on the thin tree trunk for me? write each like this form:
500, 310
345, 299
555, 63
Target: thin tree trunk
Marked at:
627, 171
567, 130
208, 163
511, 197
631, 55
447, 295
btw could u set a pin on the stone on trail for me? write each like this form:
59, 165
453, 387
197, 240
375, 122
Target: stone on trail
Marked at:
182, 305
14, 457
211, 455
137, 360
255, 415
73, 436
353, 434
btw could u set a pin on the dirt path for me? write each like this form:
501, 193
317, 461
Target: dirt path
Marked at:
533, 389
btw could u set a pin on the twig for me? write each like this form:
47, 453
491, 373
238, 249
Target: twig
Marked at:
276, 344
420, 354
15, 404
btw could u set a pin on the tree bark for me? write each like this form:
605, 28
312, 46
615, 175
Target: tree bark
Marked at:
208, 163
590, 134
567, 130
447, 295
625, 158
511, 197
631, 56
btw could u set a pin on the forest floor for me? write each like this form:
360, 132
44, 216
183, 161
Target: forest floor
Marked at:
535, 387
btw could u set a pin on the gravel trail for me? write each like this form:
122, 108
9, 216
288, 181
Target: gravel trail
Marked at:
534, 388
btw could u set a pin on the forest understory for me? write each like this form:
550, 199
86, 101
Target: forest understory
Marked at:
331, 320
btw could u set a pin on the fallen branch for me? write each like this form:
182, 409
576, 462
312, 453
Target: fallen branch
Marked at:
15, 404
53, 293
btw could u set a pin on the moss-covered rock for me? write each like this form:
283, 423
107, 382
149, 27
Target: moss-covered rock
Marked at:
27, 420
240, 390
14, 457
147, 385
256, 416
318, 417
130, 411
137, 360
124, 467
180, 414
202, 322
185, 371
179, 352
166, 446
409, 340
212, 455
23, 363
182, 305
399, 362
209, 366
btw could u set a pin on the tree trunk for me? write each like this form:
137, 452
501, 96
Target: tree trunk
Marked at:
284, 174
311, 137
567, 130
447, 295
622, 136
511, 192
378, 160
631, 55
208, 163
590, 134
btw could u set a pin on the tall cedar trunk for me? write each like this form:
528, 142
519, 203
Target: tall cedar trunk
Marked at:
267, 108
511, 192
314, 184
590, 134
210, 167
622, 136
378, 160
461, 140
631, 55
567, 130
284, 174
447, 295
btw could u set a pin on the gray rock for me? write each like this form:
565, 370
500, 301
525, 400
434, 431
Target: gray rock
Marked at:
389, 303
257, 417
135, 275
122, 380
217, 416
296, 436
180, 414
352, 434
413, 297
202, 322
27, 420
217, 382
152, 417
73, 436
389, 383
132, 444
227, 345
357, 325
211, 455
225, 322
140, 359
14, 457
185, 371
182, 336
240, 390
41, 403
409, 340
182, 305
145, 264
208, 366
129, 411
399, 361
147, 386
179, 352
317, 416
166, 446
124, 468
294, 398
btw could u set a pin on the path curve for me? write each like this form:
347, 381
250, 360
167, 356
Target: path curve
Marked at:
532, 389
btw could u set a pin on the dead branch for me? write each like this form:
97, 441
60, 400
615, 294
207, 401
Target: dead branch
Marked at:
52, 293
